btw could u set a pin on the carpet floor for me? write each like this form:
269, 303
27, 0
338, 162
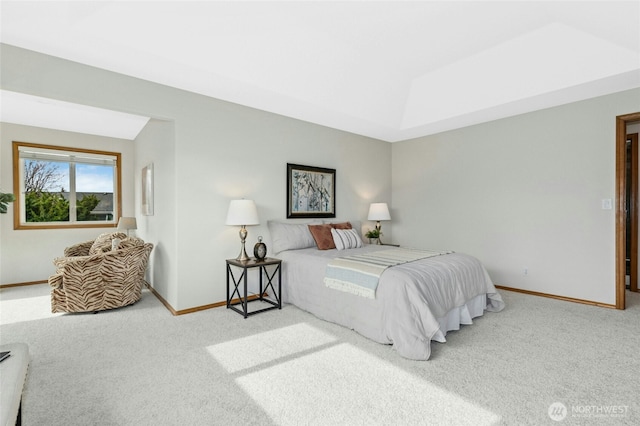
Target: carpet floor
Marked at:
540, 361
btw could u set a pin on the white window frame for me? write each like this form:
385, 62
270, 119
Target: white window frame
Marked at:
73, 156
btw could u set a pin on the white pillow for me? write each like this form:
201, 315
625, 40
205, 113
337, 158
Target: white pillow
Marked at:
346, 238
290, 236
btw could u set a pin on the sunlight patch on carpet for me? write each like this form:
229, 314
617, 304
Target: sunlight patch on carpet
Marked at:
251, 351
26, 309
345, 385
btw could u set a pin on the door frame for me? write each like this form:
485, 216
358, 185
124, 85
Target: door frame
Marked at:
621, 201
633, 213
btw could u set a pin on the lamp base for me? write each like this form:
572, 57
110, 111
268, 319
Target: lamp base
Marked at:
243, 257
379, 229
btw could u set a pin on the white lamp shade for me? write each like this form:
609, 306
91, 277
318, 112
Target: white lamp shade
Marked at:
242, 212
127, 223
379, 211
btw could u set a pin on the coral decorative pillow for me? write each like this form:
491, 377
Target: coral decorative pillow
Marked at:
322, 236
343, 225
346, 239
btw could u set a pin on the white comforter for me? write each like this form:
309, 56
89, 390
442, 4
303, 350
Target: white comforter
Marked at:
415, 302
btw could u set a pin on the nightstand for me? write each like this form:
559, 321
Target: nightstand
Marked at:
267, 268
389, 244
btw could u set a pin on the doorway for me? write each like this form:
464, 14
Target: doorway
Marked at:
626, 207
631, 208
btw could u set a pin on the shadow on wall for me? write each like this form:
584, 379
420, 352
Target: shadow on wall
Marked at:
158, 272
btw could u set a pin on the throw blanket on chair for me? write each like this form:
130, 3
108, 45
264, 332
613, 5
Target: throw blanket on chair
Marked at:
359, 274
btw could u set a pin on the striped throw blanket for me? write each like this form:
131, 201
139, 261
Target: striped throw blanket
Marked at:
359, 274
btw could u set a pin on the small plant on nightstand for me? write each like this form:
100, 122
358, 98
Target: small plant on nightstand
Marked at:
373, 234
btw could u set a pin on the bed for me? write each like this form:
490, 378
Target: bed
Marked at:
415, 302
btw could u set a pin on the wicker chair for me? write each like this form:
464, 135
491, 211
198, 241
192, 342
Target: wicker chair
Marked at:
94, 277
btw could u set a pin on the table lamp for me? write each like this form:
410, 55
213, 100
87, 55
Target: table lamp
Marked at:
127, 223
378, 212
242, 213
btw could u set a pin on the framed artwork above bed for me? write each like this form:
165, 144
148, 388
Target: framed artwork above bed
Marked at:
311, 191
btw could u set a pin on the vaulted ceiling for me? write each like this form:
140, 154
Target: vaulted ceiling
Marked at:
389, 70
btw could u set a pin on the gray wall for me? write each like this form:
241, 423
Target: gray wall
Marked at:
27, 255
205, 152
520, 193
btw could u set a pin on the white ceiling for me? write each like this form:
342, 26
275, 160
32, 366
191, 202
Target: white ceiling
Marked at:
389, 70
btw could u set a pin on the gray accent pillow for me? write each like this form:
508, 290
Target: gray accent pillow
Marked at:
290, 236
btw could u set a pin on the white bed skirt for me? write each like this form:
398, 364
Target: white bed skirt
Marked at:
461, 315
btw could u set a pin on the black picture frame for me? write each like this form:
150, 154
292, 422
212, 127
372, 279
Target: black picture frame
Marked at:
311, 192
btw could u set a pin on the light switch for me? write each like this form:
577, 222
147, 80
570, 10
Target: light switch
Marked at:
607, 204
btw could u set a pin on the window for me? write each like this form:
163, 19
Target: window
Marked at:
65, 187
